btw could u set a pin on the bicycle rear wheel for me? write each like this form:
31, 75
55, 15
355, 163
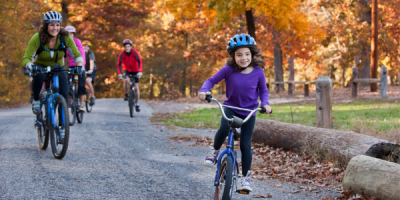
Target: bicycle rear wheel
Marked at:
79, 114
132, 102
72, 105
224, 189
60, 112
42, 131
87, 102
79, 117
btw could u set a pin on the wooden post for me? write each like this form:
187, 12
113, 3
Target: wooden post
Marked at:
306, 90
354, 90
354, 84
290, 89
383, 82
324, 102
277, 88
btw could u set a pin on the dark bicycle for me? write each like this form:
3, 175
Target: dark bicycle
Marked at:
73, 100
53, 119
227, 165
131, 94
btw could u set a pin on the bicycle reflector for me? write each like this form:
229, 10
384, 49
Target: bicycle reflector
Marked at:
76, 77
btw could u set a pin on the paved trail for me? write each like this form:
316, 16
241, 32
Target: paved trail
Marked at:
111, 156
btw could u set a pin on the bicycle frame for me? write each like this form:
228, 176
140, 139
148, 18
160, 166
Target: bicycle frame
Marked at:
49, 101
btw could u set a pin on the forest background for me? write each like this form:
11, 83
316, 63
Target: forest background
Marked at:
183, 42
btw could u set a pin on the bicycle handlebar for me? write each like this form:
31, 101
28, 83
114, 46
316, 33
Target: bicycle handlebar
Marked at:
38, 69
234, 122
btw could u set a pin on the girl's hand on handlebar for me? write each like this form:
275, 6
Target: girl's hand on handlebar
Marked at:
202, 96
140, 74
268, 109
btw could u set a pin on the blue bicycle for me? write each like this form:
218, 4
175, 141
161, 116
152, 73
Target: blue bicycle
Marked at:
53, 119
227, 165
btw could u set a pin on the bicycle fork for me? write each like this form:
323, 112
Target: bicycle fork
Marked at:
228, 151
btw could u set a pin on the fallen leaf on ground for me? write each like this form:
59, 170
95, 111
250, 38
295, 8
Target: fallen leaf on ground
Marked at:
262, 195
293, 192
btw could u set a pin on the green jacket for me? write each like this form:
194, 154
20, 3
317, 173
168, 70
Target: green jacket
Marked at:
45, 58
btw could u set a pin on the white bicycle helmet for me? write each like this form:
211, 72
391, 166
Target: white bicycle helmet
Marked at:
127, 41
70, 29
52, 16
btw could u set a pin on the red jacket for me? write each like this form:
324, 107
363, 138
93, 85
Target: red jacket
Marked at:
131, 62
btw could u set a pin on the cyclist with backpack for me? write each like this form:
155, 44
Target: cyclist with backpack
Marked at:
130, 62
91, 69
48, 47
244, 82
71, 64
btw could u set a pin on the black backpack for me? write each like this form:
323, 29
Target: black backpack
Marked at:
61, 47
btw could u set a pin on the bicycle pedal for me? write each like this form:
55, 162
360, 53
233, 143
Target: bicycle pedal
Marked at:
243, 192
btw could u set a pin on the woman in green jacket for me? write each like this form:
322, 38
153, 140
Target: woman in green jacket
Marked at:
44, 49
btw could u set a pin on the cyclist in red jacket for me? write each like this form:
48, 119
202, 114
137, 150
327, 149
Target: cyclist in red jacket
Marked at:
129, 62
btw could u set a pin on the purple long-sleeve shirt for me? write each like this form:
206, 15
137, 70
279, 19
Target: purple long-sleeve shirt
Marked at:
242, 90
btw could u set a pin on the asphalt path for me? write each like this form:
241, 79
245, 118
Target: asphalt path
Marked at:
113, 156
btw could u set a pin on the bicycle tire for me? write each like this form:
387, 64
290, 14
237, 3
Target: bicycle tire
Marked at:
131, 101
42, 131
72, 106
59, 150
224, 189
79, 117
79, 114
88, 106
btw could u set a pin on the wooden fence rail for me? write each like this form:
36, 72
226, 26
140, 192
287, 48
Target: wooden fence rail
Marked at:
383, 82
290, 84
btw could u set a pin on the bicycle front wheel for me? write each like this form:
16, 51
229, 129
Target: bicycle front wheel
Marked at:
59, 146
132, 102
72, 105
42, 131
223, 191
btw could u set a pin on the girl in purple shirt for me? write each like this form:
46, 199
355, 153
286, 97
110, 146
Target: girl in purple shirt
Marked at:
245, 82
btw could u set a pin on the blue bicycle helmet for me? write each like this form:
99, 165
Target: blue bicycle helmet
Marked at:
238, 41
52, 16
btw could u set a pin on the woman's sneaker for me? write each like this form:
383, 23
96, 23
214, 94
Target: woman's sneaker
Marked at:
211, 158
244, 183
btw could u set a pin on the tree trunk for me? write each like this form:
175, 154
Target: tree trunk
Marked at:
183, 85
365, 71
64, 11
374, 45
342, 144
366, 49
251, 29
278, 70
291, 72
372, 177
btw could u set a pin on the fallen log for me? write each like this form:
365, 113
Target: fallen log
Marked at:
342, 144
372, 177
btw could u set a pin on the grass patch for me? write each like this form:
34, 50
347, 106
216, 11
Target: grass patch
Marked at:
377, 119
